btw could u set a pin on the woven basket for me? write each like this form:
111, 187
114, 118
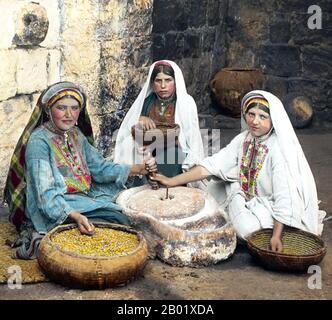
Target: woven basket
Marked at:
91, 272
163, 133
300, 250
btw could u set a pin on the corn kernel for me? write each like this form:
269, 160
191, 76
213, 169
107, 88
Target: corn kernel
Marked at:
105, 242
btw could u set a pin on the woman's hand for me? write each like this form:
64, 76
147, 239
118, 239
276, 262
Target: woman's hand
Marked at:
151, 168
276, 244
83, 223
151, 165
147, 123
149, 162
162, 179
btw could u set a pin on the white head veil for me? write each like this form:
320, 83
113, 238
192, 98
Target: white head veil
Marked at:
185, 116
299, 175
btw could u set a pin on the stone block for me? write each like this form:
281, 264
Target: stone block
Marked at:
281, 60
31, 71
14, 115
192, 45
324, 119
295, 6
213, 13
181, 21
9, 21
174, 44
141, 52
8, 63
162, 11
54, 13
197, 13
280, 32
81, 61
31, 25
269, 6
317, 62
254, 26
240, 56
276, 85
53, 66
8, 10
204, 102
158, 46
139, 19
319, 91
209, 39
223, 122
81, 47
219, 51
248, 23
187, 66
202, 73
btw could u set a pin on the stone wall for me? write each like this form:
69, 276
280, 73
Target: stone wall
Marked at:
274, 36
192, 33
125, 30
101, 44
29, 62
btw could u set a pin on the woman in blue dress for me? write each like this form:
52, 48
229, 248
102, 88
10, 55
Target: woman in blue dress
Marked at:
56, 175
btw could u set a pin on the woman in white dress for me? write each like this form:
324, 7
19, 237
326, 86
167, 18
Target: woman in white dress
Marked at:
164, 100
269, 183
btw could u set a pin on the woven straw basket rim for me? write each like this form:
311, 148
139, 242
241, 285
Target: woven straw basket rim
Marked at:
91, 272
317, 244
303, 250
110, 225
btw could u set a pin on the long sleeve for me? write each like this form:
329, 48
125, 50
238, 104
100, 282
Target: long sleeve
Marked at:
286, 202
190, 134
224, 164
42, 184
103, 170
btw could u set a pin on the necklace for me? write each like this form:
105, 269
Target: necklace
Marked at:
51, 127
164, 102
67, 151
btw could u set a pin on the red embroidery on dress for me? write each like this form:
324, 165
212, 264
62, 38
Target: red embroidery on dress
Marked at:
251, 164
79, 178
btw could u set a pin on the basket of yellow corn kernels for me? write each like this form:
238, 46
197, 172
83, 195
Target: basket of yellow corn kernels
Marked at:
113, 256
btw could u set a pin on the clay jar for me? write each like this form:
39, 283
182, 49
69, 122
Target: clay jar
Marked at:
229, 86
299, 109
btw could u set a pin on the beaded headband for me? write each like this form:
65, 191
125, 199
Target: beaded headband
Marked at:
77, 96
259, 101
162, 62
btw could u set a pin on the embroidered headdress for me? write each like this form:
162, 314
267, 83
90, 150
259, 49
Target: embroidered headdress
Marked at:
255, 102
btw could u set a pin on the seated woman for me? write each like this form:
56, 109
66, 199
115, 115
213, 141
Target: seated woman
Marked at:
56, 173
163, 100
269, 183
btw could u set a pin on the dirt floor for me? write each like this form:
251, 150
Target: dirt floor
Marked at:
237, 278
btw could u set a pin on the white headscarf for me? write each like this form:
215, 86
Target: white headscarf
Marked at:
299, 175
185, 116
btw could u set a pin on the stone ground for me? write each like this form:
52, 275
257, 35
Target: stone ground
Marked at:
237, 278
